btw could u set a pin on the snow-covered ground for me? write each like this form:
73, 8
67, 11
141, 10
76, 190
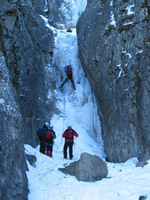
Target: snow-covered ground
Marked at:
78, 108
125, 181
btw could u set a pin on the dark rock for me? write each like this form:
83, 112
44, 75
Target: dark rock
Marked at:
27, 45
32, 159
13, 180
56, 19
57, 16
114, 55
142, 197
141, 164
69, 30
88, 168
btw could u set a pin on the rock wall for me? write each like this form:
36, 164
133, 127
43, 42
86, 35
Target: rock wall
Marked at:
13, 181
63, 14
114, 46
26, 48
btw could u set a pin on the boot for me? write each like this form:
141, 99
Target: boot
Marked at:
50, 155
47, 153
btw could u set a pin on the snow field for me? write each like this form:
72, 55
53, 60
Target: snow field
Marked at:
125, 181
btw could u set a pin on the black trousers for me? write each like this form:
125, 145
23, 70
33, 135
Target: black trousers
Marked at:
70, 145
71, 79
49, 147
42, 147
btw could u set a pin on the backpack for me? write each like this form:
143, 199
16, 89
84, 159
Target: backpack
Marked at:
69, 71
69, 134
41, 132
49, 135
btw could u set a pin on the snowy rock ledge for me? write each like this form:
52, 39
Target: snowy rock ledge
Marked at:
88, 168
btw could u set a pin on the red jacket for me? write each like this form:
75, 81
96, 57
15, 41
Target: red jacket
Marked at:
69, 134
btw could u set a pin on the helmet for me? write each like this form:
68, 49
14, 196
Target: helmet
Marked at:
46, 124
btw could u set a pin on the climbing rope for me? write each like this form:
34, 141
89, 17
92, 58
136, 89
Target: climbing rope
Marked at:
64, 111
64, 118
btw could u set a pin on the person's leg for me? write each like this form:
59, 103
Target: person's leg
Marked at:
70, 150
42, 147
47, 149
65, 150
51, 150
64, 82
72, 81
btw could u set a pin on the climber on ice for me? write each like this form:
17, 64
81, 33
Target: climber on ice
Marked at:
68, 70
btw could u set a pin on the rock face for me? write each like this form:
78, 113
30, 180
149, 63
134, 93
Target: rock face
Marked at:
27, 45
13, 181
32, 159
55, 15
63, 14
88, 168
114, 47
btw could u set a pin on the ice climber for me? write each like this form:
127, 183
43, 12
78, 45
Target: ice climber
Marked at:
41, 135
69, 141
68, 70
49, 141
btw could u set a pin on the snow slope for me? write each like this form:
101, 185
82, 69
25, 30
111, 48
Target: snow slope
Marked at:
78, 108
46, 182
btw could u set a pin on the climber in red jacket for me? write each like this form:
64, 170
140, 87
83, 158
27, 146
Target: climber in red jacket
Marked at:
68, 70
69, 136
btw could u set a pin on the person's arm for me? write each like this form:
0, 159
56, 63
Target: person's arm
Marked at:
75, 134
66, 69
64, 134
